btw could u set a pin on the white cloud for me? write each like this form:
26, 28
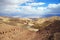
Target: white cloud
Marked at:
50, 9
53, 5
12, 6
35, 4
9, 9
12, 1
53, 8
32, 10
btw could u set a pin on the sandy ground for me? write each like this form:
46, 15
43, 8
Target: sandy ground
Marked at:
8, 32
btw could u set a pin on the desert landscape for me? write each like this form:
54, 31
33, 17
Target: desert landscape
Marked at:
30, 29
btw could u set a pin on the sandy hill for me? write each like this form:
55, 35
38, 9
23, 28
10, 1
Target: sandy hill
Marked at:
15, 21
8, 32
49, 29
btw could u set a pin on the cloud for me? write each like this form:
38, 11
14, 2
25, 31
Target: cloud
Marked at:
12, 2
9, 9
11, 6
51, 9
54, 8
35, 4
32, 9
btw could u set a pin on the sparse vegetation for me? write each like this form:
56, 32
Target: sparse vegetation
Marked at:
16, 28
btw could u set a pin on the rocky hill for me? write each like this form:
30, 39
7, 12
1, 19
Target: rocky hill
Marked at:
28, 29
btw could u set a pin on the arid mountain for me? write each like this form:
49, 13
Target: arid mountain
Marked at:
28, 29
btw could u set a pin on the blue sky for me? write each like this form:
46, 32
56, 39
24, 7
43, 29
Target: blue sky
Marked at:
47, 1
30, 8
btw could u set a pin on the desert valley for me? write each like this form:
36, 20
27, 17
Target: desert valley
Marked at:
30, 29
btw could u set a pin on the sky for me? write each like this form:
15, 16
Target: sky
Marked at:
30, 8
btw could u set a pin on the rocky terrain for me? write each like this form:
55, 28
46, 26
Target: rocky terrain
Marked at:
28, 29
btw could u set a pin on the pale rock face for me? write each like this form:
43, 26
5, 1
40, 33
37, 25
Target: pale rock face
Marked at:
25, 23
32, 29
30, 24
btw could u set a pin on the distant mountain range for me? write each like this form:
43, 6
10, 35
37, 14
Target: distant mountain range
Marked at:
30, 15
